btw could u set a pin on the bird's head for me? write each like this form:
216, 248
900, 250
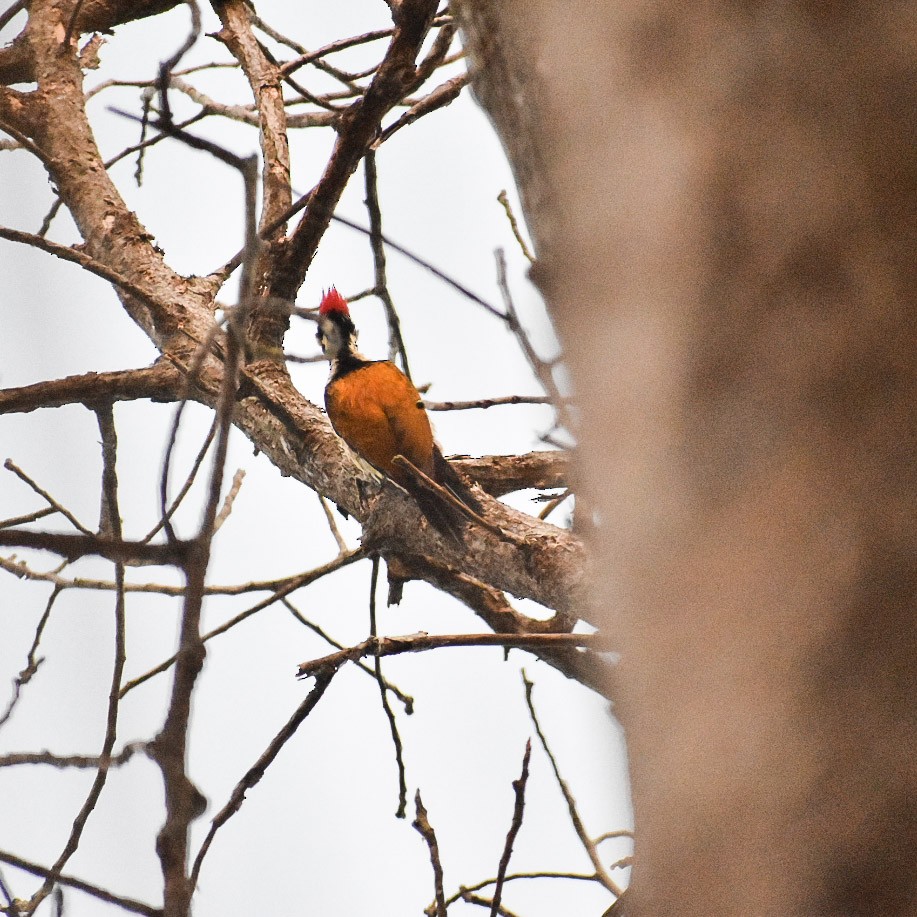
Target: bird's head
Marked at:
336, 332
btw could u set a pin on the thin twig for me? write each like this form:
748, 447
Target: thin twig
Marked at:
515, 825
588, 844
197, 361
541, 368
332, 524
406, 700
32, 663
11, 906
469, 898
425, 829
66, 761
22, 570
427, 266
27, 518
512, 877
111, 522
307, 57
386, 706
613, 835
254, 774
422, 642
485, 403
514, 225
127, 904
8, 15
189, 481
229, 499
395, 339
289, 586
444, 94
10, 465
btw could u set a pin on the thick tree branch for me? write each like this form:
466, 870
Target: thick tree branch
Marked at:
264, 78
504, 474
159, 382
359, 125
54, 118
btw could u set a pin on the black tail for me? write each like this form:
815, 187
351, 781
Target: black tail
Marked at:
446, 518
448, 477
443, 516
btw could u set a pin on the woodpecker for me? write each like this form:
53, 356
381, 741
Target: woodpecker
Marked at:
378, 412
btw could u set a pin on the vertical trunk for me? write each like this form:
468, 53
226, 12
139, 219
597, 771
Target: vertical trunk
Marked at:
722, 200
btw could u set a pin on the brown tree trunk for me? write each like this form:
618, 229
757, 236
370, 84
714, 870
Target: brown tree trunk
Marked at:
722, 197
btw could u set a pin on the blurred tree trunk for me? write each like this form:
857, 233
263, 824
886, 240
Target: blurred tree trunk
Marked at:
722, 197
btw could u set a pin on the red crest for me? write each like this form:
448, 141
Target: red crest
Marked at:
332, 301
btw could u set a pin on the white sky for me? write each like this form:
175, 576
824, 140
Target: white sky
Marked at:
317, 835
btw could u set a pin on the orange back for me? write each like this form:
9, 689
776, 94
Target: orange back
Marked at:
378, 412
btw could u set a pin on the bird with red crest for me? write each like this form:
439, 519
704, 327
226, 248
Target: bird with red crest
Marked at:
378, 412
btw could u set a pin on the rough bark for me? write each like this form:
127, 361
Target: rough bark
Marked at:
721, 197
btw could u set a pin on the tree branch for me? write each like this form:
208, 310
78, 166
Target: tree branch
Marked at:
419, 643
159, 382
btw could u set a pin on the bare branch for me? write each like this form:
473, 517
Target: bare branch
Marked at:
10, 465
183, 801
257, 770
514, 225
32, 663
73, 546
289, 585
422, 642
588, 844
85, 261
503, 474
406, 700
516, 824
425, 829
484, 403
444, 94
389, 713
395, 340
358, 128
66, 761
159, 382
264, 78
109, 523
128, 904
